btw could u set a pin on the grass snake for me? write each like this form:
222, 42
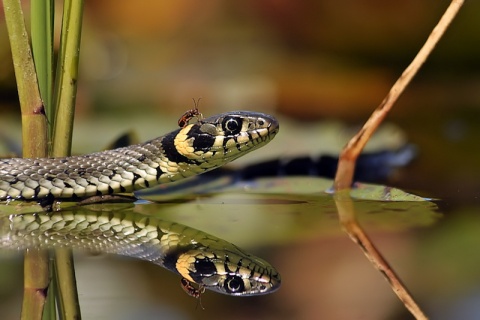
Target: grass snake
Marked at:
200, 258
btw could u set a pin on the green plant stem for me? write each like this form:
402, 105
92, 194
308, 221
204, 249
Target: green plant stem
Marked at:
34, 136
35, 283
42, 19
65, 94
42, 23
69, 305
34, 125
50, 310
66, 77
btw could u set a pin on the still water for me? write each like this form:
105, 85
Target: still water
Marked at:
292, 223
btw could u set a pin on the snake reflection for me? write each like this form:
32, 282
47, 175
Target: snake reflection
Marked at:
201, 258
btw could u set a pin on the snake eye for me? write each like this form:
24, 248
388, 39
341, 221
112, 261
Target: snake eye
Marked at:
232, 125
234, 284
205, 267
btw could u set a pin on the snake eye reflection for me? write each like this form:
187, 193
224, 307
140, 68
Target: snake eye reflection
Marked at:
234, 284
232, 125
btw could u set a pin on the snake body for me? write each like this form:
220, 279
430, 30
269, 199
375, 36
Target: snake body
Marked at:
198, 257
191, 150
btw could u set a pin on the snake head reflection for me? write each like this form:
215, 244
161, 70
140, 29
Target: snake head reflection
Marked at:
239, 285
230, 272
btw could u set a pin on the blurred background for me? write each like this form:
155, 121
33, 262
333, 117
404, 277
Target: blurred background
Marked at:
321, 67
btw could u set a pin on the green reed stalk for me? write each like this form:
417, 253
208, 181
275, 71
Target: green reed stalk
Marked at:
34, 124
34, 138
66, 77
42, 31
64, 101
42, 20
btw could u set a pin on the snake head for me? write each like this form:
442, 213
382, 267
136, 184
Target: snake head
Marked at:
225, 137
212, 142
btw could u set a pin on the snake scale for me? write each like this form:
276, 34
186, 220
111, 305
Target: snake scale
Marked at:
199, 258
